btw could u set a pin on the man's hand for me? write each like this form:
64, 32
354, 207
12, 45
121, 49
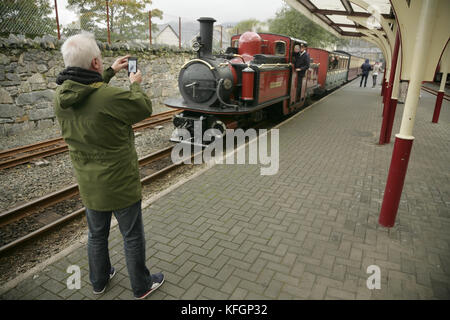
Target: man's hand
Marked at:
120, 63
136, 77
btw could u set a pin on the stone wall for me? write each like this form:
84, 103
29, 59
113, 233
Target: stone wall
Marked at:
28, 72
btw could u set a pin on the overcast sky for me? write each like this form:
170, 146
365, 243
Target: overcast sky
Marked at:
222, 11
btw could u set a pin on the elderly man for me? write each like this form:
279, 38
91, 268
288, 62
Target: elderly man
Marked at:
301, 63
95, 121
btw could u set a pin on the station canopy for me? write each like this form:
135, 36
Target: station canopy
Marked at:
333, 14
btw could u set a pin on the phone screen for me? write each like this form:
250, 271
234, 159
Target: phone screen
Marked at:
132, 65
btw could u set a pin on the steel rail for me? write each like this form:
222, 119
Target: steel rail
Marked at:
69, 192
435, 92
11, 158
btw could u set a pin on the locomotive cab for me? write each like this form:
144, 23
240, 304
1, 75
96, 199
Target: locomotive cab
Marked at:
234, 89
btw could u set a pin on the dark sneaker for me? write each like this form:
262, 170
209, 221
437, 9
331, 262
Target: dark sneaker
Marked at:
111, 275
158, 280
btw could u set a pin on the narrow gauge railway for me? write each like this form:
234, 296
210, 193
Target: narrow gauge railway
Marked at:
34, 218
254, 80
20, 155
253, 83
434, 92
31, 220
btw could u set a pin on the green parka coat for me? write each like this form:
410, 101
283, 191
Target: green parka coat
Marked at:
96, 124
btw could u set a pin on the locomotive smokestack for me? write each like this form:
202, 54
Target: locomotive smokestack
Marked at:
206, 35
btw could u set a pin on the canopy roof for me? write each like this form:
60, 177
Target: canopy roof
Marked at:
333, 14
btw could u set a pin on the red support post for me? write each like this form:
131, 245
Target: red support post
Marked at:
57, 20
386, 95
150, 26
391, 116
395, 181
437, 106
388, 92
179, 32
383, 84
107, 21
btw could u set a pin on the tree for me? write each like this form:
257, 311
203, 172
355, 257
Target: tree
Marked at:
27, 17
246, 25
128, 19
290, 22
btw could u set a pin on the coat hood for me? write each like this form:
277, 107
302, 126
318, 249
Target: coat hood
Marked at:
76, 84
72, 93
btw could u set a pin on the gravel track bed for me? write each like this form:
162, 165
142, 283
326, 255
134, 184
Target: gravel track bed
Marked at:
42, 217
26, 182
38, 220
29, 137
20, 260
29, 181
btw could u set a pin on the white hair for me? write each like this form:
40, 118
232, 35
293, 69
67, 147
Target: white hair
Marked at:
79, 50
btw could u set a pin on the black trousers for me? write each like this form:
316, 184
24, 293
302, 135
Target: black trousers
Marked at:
364, 76
299, 86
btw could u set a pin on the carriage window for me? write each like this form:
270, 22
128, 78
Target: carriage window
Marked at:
280, 48
235, 43
336, 62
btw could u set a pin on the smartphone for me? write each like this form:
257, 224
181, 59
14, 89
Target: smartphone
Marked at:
132, 65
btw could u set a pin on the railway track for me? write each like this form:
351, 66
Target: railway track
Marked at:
435, 92
28, 221
58, 208
20, 155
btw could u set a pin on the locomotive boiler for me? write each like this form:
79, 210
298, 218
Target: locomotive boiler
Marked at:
254, 79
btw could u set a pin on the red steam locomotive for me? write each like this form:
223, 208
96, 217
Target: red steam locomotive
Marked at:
253, 80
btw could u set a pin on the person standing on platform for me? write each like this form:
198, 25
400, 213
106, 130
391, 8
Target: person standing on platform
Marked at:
95, 121
365, 67
376, 70
301, 64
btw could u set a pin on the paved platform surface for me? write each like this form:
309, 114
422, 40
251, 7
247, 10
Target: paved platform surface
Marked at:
309, 232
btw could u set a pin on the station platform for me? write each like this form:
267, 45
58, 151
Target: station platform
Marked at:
308, 232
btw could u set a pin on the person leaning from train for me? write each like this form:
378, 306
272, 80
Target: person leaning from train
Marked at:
301, 64
365, 67
95, 120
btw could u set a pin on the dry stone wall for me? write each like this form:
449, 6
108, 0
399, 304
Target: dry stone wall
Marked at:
28, 70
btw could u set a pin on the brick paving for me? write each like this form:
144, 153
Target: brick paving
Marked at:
308, 232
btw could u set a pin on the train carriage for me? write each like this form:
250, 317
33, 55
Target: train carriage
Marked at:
253, 80
320, 58
354, 69
334, 67
337, 69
